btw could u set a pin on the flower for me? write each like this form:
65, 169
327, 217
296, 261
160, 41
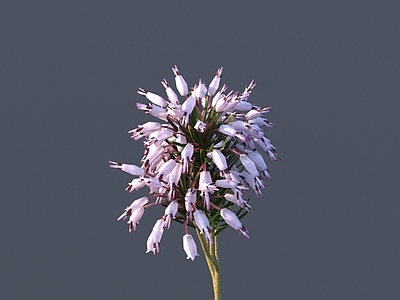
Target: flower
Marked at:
189, 246
201, 155
232, 220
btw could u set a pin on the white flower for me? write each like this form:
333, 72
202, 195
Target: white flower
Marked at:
243, 106
156, 99
135, 184
230, 131
214, 84
170, 212
153, 242
165, 168
202, 224
220, 161
232, 220
253, 183
159, 136
249, 165
190, 247
200, 90
134, 218
155, 111
186, 157
134, 205
172, 97
173, 180
131, 169
262, 122
219, 95
237, 198
258, 160
190, 202
180, 82
267, 146
144, 130
206, 187
154, 154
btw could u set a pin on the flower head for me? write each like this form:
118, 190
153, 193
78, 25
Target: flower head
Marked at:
201, 155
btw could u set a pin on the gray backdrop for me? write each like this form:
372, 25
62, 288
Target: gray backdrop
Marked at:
327, 227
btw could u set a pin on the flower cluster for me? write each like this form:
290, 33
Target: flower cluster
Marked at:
199, 160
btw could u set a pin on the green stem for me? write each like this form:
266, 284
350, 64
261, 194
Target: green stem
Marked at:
211, 255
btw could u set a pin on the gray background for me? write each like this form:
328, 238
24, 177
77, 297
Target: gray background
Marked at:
328, 225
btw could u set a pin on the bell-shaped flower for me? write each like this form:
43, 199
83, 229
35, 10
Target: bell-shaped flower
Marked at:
240, 125
134, 205
170, 212
156, 99
232, 220
190, 202
243, 106
267, 146
186, 157
155, 111
200, 90
187, 107
260, 163
172, 97
144, 130
175, 174
226, 184
159, 136
220, 161
206, 187
131, 169
154, 239
237, 198
254, 131
153, 154
173, 180
249, 165
262, 122
253, 183
219, 95
176, 112
154, 185
135, 185
203, 225
180, 82
190, 247
252, 114
134, 218
247, 91
222, 103
214, 84
165, 168
230, 131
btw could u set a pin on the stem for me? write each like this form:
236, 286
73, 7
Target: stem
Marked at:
211, 255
